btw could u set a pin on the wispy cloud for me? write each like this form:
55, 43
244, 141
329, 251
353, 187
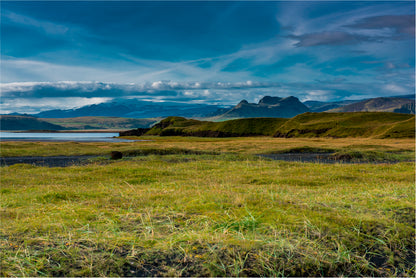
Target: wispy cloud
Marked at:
31, 22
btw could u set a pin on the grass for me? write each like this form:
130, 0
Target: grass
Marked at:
308, 125
208, 207
246, 145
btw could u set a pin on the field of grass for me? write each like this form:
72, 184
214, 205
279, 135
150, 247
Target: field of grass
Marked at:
208, 207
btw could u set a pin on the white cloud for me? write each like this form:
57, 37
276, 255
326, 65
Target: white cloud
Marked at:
35, 105
395, 88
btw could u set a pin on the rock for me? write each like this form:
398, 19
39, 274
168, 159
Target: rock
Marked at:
116, 155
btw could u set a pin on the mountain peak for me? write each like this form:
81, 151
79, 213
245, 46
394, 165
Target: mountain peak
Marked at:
268, 100
267, 107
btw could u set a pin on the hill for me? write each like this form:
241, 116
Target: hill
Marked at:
321, 106
80, 123
8, 122
232, 128
267, 107
337, 125
357, 124
385, 104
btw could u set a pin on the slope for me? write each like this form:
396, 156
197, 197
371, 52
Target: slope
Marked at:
353, 124
381, 104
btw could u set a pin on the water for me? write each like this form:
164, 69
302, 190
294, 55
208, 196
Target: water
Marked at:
61, 136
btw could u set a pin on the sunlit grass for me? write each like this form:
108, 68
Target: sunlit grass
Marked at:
246, 145
209, 214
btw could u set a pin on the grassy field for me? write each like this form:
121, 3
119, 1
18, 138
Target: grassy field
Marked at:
208, 207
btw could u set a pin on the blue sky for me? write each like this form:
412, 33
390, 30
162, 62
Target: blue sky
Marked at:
69, 54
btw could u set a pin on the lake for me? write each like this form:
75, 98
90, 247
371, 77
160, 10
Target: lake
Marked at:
61, 136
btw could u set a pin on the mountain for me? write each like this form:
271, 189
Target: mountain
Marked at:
10, 122
321, 106
134, 109
267, 107
380, 104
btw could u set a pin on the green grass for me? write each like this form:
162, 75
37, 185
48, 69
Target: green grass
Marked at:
208, 207
342, 125
231, 128
335, 125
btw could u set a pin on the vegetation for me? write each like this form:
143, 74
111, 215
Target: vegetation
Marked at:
232, 128
341, 125
336, 125
208, 207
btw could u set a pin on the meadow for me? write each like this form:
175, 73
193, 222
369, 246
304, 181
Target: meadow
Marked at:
186, 206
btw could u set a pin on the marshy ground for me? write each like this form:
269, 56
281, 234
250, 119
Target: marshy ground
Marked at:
210, 207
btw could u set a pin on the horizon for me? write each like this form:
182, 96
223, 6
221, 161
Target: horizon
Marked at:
63, 55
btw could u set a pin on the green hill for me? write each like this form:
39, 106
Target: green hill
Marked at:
337, 125
9, 122
232, 128
353, 124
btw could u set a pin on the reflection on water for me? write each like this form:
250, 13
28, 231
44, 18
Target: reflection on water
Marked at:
61, 136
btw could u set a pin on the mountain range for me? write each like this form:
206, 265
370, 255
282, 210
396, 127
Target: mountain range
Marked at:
274, 107
126, 113
268, 106
134, 109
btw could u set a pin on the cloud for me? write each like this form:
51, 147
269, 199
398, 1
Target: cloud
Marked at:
35, 105
328, 38
401, 24
46, 26
90, 89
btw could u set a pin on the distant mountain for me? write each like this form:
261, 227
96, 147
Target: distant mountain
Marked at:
320, 106
380, 104
267, 107
412, 96
134, 109
10, 122
117, 123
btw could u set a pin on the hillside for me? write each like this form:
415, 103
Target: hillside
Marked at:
8, 122
358, 124
232, 128
338, 125
385, 104
321, 106
267, 107
80, 123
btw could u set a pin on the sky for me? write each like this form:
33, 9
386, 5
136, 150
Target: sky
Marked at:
60, 55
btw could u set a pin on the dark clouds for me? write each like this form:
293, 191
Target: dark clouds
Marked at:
401, 24
329, 38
